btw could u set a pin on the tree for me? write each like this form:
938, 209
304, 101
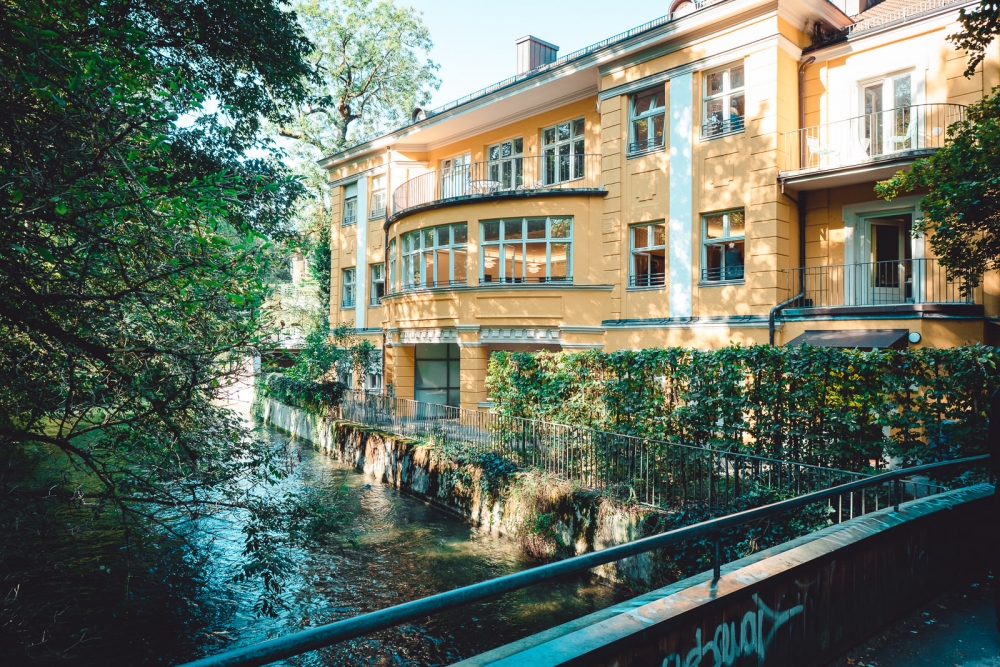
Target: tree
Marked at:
133, 241
962, 179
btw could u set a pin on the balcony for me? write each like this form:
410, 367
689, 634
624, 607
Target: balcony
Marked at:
512, 177
878, 288
865, 148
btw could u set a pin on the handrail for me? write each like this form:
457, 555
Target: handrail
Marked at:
325, 635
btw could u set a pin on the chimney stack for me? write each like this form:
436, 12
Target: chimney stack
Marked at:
533, 52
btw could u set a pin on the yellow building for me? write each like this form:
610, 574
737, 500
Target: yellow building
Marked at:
704, 179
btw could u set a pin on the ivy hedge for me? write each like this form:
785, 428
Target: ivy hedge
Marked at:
841, 408
306, 394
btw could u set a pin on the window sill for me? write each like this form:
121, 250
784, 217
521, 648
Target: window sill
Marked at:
644, 152
645, 288
349, 224
377, 216
722, 135
722, 283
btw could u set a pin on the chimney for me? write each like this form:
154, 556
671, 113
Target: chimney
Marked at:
533, 52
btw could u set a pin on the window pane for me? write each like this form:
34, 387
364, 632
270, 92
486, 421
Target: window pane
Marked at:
505, 149
578, 126
736, 107
513, 263
641, 270
443, 236
491, 230
714, 85
536, 229
549, 136
737, 223
491, 264
658, 130
657, 266
660, 235
560, 261
494, 152
734, 260
736, 77
713, 226
646, 101
431, 374
563, 131
460, 232
534, 256
713, 262
901, 91
428, 238
518, 146
460, 260
641, 235
441, 267
512, 229
560, 228
640, 130
714, 110
429, 268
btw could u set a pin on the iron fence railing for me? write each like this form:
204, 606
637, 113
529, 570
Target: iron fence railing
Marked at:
899, 15
647, 280
652, 472
514, 174
716, 126
901, 282
711, 531
873, 136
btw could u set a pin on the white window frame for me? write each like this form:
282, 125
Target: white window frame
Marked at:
712, 129
650, 279
415, 252
638, 145
726, 276
378, 197
348, 292
506, 172
376, 277
350, 213
549, 240
393, 263
554, 157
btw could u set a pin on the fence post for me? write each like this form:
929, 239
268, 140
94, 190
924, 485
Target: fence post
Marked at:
896, 493
717, 560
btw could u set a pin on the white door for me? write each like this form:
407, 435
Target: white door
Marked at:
887, 277
455, 176
890, 118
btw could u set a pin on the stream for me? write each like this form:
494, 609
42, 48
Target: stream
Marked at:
66, 598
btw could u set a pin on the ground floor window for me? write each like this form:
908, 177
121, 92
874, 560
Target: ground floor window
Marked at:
723, 236
437, 374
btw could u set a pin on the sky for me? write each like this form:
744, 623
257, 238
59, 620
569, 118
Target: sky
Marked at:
474, 41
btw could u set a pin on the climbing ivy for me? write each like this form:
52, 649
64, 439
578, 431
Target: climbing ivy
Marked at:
841, 408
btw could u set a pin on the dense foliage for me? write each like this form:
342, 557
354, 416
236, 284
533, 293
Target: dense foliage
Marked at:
315, 396
827, 406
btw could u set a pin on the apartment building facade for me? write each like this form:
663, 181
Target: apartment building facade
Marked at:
701, 180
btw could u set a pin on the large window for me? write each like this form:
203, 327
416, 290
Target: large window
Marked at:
725, 106
378, 197
350, 204
377, 288
505, 168
435, 257
647, 113
563, 152
347, 291
648, 266
392, 267
526, 250
437, 375
723, 236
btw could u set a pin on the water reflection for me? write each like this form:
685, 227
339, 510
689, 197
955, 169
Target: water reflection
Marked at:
393, 549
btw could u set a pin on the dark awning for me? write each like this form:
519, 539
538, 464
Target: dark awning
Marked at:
860, 339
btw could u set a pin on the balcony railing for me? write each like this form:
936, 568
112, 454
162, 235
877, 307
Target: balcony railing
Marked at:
716, 126
647, 280
875, 136
893, 283
484, 179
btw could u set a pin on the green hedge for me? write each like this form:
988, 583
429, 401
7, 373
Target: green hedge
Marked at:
315, 396
841, 408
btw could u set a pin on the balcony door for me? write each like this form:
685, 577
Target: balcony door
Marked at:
889, 119
455, 176
887, 276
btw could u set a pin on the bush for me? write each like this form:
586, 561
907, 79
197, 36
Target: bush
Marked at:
832, 407
314, 396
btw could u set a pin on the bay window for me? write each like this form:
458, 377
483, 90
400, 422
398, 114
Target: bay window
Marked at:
435, 257
526, 250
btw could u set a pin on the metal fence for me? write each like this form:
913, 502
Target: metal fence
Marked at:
871, 137
652, 472
513, 174
898, 282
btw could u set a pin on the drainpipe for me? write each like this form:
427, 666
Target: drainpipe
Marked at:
800, 204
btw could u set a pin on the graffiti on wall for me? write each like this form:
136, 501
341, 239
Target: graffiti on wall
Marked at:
731, 641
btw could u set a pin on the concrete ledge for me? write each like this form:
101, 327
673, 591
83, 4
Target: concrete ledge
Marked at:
800, 603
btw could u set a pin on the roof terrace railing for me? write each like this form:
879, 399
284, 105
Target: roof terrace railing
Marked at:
882, 135
889, 486
901, 15
509, 175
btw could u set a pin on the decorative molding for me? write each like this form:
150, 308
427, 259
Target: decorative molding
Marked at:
415, 336
694, 323
514, 335
572, 329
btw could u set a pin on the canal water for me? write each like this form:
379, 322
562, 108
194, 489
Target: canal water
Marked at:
69, 599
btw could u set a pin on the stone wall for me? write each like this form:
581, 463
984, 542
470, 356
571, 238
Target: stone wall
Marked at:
549, 517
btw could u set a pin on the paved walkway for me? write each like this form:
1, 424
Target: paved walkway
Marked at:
957, 630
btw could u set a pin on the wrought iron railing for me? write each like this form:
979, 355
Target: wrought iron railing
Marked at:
653, 472
716, 127
898, 15
906, 281
430, 284
647, 146
871, 137
511, 175
647, 280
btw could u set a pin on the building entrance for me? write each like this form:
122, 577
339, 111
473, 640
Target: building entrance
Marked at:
437, 374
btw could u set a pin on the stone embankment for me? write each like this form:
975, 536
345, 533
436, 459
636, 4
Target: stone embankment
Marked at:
549, 517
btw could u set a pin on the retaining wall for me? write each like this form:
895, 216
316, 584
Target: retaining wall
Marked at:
802, 603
